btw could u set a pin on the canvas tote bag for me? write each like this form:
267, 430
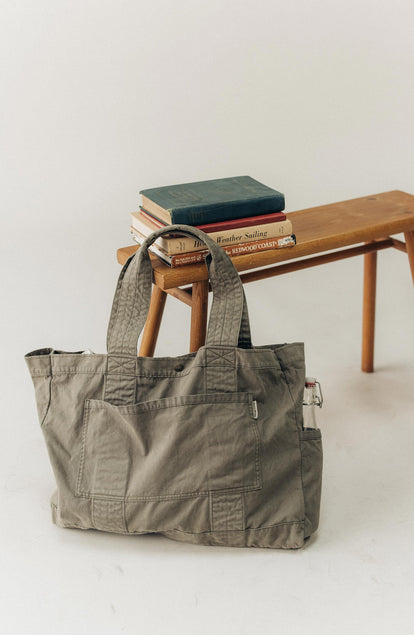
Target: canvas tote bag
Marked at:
206, 447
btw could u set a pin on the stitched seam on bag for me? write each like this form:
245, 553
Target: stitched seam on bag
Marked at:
167, 373
301, 478
299, 440
224, 302
172, 373
251, 405
229, 490
257, 458
205, 382
225, 504
259, 366
124, 519
224, 283
82, 457
217, 357
292, 400
62, 370
122, 366
145, 407
186, 356
310, 435
225, 531
162, 373
192, 533
111, 522
41, 373
258, 464
93, 515
48, 403
78, 355
305, 440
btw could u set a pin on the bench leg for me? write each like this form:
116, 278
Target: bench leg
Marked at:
152, 325
368, 311
199, 315
409, 243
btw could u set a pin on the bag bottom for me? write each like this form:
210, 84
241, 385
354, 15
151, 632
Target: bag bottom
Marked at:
289, 535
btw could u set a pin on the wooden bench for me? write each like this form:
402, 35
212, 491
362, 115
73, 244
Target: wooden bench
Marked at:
360, 226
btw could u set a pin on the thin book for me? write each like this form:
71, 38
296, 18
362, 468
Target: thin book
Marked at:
240, 249
183, 244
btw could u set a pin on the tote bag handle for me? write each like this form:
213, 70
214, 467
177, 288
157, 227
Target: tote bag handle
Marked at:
229, 321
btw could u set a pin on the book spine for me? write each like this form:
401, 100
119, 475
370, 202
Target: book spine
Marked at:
231, 237
235, 223
226, 211
152, 219
153, 248
235, 250
179, 260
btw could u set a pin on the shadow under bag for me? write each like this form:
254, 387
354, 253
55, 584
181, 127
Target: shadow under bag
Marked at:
205, 448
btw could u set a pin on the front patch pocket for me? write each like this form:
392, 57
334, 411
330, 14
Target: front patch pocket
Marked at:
169, 448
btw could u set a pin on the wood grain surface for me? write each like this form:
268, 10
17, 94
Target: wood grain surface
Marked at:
317, 229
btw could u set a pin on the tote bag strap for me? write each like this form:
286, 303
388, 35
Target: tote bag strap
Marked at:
229, 320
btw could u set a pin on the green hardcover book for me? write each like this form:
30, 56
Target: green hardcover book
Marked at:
211, 201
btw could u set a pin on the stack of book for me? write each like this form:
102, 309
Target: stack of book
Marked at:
242, 215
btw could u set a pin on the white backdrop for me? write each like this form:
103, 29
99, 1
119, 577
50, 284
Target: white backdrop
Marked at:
100, 99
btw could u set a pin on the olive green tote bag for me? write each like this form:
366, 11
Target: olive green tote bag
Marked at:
206, 448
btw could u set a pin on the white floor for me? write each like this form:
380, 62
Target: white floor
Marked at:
355, 576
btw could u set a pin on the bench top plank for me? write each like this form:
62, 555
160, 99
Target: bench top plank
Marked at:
317, 229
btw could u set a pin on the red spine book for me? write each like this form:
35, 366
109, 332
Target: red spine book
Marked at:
235, 223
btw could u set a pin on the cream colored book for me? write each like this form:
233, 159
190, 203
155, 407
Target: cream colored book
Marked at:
183, 244
178, 260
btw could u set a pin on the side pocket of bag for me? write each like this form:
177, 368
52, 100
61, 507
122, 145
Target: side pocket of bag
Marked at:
312, 460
